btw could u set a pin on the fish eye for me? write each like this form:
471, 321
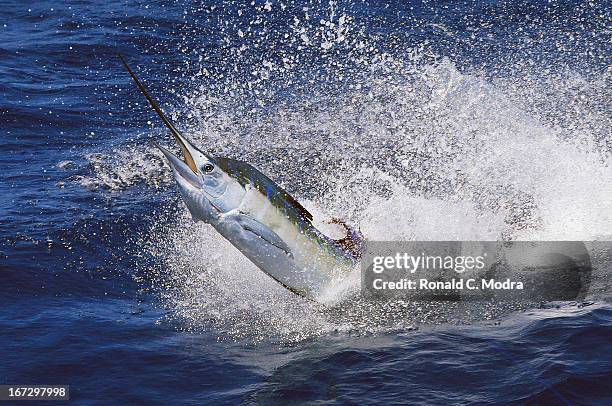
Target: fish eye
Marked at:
208, 168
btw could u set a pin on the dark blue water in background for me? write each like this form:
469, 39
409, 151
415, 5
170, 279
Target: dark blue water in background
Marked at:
77, 304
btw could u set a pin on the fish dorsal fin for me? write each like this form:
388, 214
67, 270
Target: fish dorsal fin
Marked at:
353, 240
246, 173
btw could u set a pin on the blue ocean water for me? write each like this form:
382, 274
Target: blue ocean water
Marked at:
415, 120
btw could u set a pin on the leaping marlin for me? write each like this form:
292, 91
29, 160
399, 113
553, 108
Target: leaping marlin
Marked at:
258, 217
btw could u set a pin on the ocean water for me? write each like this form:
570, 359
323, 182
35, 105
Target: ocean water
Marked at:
469, 120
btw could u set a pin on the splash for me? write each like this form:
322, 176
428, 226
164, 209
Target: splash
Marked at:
125, 167
383, 133
464, 163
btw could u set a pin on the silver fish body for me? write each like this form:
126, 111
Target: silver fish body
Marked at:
258, 217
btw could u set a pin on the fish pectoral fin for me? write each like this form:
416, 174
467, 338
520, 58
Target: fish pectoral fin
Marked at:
262, 231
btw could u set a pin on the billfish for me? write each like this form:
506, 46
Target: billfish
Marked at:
262, 220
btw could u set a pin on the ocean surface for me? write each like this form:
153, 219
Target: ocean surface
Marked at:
421, 120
